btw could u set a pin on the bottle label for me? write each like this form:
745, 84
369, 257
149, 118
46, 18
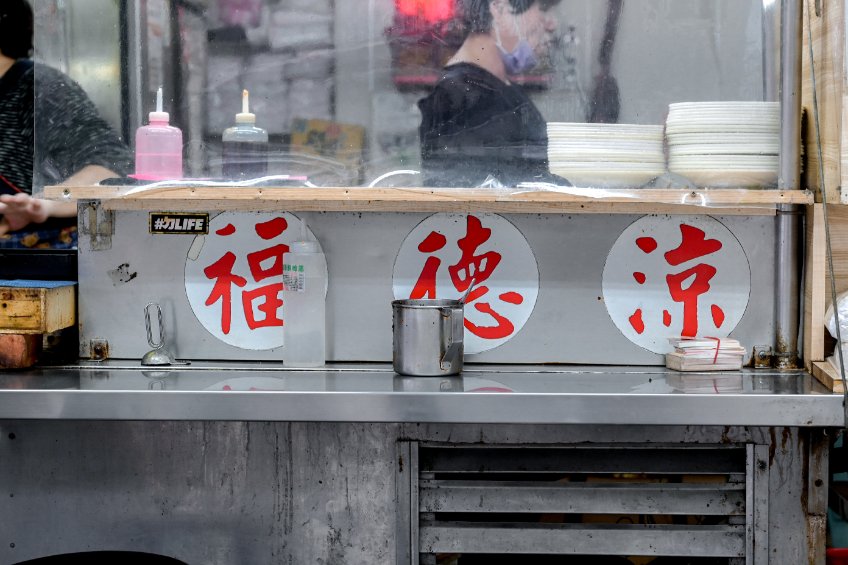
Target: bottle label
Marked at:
294, 278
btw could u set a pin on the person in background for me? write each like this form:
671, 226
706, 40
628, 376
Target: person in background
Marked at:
477, 123
50, 133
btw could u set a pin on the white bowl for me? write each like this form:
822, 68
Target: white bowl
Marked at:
771, 121
706, 111
604, 144
725, 105
673, 129
613, 166
582, 126
730, 161
606, 156
604, 131
724, 149
728, 178
606, 179
607, 138
699, 138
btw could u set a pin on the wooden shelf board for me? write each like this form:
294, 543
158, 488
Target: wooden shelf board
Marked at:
603, 201
826, 374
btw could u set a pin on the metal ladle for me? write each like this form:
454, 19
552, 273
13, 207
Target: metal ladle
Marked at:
467, 290
158, 355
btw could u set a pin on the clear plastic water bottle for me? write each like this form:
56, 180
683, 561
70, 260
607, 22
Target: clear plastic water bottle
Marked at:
304, 315
158, 147
245, 146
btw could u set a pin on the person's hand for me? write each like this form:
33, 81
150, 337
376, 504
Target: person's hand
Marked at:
20, 210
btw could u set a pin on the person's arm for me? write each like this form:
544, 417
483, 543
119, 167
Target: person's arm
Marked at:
20, 210
70, 134
74, 145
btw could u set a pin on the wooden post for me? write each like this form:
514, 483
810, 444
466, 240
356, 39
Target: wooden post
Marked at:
828, 31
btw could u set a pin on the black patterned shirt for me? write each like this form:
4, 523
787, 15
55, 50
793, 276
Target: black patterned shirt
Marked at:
69, 134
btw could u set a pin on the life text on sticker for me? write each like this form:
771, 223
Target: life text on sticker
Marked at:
179, 223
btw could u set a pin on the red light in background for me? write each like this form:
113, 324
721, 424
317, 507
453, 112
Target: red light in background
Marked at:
432, 11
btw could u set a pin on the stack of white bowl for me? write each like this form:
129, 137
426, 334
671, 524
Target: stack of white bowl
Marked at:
606, 155
724, 144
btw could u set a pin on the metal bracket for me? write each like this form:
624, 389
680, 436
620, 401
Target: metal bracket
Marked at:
762, 356
98, 349
98, 224
785, 361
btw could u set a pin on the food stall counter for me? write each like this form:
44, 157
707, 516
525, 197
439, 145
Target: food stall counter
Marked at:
483, 394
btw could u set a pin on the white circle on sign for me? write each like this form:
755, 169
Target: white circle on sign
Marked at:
668, 276
440, 257
234, 277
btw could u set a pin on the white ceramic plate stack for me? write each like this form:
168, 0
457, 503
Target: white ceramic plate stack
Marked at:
724, 144
606, 155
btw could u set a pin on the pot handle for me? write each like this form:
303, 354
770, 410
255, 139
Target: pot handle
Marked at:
456, 319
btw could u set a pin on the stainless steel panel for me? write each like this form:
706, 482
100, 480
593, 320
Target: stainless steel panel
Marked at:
583, 459
569, 323
393, 407
578, 539
620, 396
759, 487
407, 495
590, 498
204, 492
749, 504
231, 493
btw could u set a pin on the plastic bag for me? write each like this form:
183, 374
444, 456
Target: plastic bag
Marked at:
830, 324
830, 319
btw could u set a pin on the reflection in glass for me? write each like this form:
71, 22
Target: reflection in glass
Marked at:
340, 86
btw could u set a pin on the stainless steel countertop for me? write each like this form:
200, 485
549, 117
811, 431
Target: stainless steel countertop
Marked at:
505, 394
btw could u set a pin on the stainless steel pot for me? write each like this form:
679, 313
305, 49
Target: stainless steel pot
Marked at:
428, 337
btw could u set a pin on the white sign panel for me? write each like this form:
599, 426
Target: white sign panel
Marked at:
445, 252
234, 277
669, 276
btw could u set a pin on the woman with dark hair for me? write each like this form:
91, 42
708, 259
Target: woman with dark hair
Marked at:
73, 143
477, 123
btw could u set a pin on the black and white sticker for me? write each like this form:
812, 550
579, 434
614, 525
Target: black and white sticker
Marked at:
179, 223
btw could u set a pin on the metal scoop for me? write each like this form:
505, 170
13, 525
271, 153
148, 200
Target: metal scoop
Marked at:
158, 355
465, 294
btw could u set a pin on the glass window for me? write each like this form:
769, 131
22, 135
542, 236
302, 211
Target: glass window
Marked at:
415, 92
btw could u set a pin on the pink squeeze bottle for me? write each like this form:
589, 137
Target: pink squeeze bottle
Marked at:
158, 147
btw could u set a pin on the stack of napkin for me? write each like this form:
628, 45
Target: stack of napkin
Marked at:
705, 354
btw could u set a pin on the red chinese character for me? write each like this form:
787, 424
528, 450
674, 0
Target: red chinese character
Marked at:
504, 327
271, 228
270, 306
222, 271
693, 246
255, 260
484, 265
426, 285
703, 273
469, 267
271, 293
